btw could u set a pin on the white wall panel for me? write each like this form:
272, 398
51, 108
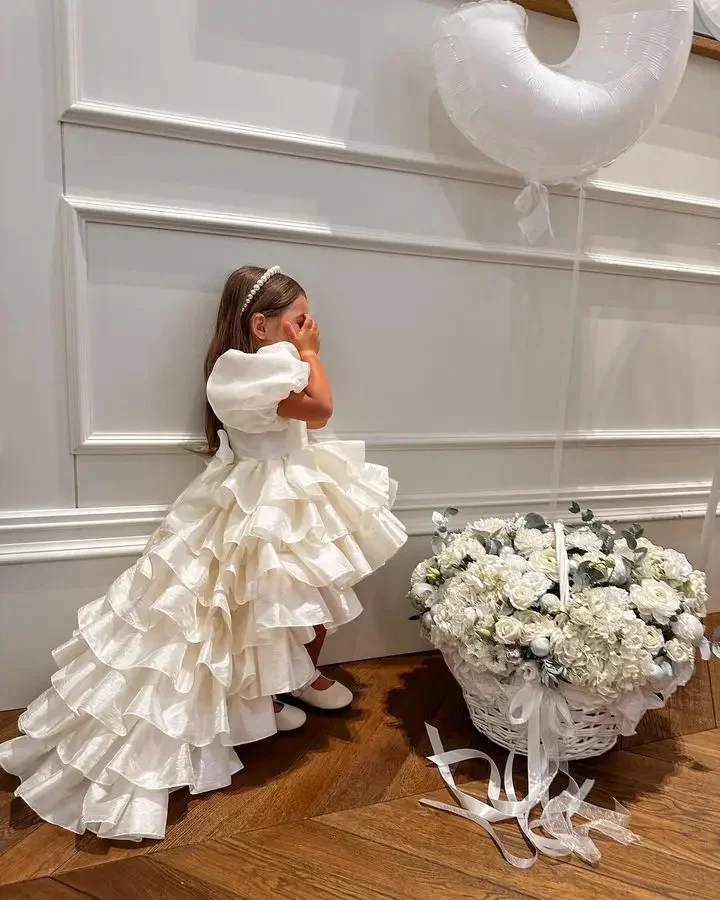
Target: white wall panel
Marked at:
312, 67
134, 480
427, 344
647, 355
386, 320
35, 462
38, 612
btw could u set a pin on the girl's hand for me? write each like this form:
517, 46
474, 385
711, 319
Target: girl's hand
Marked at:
306, 338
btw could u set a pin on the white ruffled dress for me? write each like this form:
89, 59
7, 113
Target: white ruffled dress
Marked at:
178, 663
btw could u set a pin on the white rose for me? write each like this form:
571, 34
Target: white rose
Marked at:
521, 596
654, 640
515, 562
654, 600
538, 583
540, 646
545, 561
675, 566
419, 573
688, 628
620, 570
507, 630
679, 652
423, 594
584, 539
534, 624
527, 540
550, 603
489, 526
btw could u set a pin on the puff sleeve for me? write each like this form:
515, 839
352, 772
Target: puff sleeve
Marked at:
244, 389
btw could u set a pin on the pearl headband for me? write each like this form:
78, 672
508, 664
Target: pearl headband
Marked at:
259, 284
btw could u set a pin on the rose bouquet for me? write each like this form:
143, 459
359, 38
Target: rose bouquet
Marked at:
621, 632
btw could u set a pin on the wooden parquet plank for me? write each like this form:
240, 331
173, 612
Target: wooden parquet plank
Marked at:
699, 752
452, 842
39, 854
42, 889
663, 871
345, 865
147, 878
301, 861
630, 776
17, 820
8, 724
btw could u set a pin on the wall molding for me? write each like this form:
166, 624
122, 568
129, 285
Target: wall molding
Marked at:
179, 442
108, 532
138, 120
200, 221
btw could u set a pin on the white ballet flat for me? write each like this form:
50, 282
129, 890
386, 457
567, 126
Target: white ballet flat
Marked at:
337, 696
290, 718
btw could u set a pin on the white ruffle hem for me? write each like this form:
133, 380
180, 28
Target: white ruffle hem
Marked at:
178, 663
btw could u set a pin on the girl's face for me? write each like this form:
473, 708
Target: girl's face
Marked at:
270, 330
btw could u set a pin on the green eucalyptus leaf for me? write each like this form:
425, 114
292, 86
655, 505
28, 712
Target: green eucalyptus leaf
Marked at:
631, 541
535, 521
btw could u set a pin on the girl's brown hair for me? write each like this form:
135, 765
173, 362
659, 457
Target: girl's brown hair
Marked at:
233, 329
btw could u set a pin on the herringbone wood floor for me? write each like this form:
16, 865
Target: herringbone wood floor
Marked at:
331, 813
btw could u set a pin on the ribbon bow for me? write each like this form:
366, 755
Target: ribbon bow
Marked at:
534, 206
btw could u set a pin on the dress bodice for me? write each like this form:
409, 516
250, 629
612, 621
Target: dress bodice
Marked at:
244, 390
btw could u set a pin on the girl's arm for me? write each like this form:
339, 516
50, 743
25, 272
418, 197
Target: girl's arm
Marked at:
314, 405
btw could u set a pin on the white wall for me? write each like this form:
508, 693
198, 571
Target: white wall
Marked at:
199, 135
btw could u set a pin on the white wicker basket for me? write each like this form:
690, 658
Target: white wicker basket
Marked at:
596, 729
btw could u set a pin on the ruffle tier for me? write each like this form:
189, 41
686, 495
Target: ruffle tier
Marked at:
178, 663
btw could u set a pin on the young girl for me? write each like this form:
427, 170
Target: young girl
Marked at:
229, 604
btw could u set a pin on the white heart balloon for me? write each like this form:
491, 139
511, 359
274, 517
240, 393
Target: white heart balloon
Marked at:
710, 14
560, 123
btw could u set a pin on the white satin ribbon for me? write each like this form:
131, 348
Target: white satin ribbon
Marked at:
563, 563
711, 647
564, 838
224, 454
533, 204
